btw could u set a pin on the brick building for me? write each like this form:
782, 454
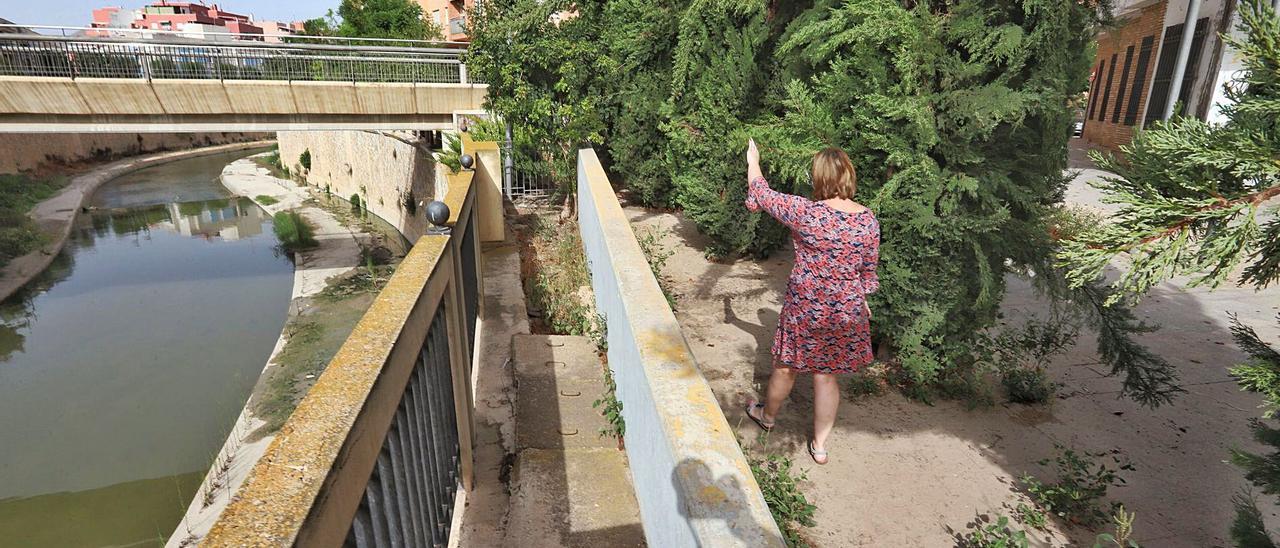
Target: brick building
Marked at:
450, 16
1137, 60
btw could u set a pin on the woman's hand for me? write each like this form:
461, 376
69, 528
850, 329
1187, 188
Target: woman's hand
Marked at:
867, 308
753, 161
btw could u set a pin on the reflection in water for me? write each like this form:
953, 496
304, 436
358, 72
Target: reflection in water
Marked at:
123, 366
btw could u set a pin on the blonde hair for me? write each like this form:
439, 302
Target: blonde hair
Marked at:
833, 175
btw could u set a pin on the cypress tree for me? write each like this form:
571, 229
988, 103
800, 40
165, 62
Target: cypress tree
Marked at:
955, 113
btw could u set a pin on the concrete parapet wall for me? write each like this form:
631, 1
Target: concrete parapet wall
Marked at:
26, 152
692, 481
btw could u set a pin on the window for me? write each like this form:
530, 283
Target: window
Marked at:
1106, 91
1093, 92
1139, 81
1164, 70
1124, 81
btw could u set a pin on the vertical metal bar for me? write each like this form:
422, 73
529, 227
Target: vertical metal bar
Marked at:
429, 439
360, 533
378, 515
430, 395
508, 162
419, 484
386, 479
408, 486
1184, 52
398, 482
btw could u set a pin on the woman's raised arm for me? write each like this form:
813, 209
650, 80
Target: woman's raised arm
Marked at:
788, 209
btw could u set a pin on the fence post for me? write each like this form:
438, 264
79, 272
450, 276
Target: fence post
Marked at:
508, 163
462, 73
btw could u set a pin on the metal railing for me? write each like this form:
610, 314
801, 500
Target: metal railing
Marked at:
379, 451
170, 58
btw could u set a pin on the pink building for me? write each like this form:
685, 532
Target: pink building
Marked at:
194, 20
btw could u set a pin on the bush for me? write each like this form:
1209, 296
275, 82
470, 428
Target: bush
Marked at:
1021, 356
305, 159
780, 485
293, 231
266, 200
998, 534
1082, 485
1027, 385
355, 202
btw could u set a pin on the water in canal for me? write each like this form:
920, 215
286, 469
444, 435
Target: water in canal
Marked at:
124, 366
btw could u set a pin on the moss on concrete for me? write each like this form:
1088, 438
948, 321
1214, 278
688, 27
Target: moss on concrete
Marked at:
312, 337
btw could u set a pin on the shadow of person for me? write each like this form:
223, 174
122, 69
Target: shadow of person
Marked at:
717, 509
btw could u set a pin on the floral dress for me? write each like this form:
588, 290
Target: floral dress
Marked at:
823, 327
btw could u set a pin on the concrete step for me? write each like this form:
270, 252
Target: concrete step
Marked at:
569, 485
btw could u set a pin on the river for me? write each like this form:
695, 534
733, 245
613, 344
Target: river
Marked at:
125, 364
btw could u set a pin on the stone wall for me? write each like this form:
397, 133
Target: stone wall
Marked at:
32, 151
384, 171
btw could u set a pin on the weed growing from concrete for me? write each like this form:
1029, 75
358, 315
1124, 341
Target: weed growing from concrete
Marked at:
611, 408
266, 200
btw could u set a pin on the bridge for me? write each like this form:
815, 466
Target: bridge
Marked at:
121, 80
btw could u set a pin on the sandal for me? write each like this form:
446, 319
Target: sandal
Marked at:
753, 404
815, 454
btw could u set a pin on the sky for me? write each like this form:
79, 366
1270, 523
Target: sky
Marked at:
78, 13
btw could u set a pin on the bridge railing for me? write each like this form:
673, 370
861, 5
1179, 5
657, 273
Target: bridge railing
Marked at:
378, 453
174, 58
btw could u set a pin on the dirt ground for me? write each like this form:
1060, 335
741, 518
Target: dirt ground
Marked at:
904, 473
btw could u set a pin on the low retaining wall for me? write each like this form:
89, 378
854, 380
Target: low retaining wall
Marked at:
691, 478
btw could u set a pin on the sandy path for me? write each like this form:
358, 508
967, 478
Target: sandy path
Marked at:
903, 472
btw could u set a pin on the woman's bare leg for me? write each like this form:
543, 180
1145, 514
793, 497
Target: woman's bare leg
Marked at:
826, 399
780, 383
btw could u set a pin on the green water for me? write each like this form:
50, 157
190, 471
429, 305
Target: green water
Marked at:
123, 367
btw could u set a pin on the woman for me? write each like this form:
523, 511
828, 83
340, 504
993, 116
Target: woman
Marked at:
824, 328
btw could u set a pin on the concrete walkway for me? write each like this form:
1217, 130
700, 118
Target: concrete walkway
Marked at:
569, 486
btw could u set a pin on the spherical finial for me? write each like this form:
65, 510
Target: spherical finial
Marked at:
437, 213
467, 161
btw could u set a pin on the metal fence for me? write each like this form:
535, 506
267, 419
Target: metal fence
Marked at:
410, 495
530, 177
107, 57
